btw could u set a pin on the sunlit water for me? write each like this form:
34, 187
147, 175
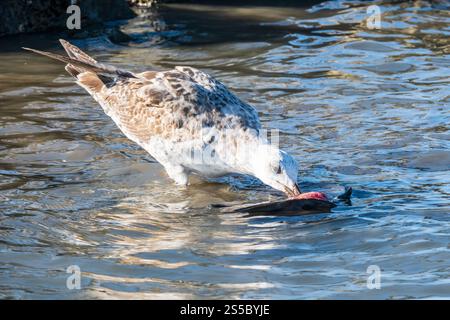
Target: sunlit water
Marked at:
360, 107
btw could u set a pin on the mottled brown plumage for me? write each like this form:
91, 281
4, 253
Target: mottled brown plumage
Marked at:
186, 119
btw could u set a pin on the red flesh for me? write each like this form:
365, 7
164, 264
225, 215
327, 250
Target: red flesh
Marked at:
312, 195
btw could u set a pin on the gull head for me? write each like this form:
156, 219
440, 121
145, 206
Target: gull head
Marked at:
277, 169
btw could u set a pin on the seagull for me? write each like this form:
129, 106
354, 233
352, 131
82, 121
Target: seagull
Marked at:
185, 119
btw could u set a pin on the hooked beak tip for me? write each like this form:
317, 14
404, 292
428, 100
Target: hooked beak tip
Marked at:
295, 191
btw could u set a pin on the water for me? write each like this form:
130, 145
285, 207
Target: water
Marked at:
360, 107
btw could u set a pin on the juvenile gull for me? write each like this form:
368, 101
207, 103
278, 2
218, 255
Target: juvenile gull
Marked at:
185, 119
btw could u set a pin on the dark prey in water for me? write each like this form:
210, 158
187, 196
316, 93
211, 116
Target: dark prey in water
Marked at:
292, 206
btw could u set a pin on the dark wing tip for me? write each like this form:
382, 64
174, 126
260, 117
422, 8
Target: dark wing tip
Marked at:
38, 51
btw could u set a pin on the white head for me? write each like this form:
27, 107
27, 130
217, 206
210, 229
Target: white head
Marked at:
277, 169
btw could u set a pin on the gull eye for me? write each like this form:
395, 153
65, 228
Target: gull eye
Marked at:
276, 168
279, 170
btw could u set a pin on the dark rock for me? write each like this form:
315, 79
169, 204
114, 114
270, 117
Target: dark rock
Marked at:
23, 16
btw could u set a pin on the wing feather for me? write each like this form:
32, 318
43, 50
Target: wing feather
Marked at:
175, 104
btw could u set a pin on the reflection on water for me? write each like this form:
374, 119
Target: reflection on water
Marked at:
359, 107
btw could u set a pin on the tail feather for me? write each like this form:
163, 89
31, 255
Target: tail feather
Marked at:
76, 53
73, 71
78, 62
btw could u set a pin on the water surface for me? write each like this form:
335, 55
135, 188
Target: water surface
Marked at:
360, 107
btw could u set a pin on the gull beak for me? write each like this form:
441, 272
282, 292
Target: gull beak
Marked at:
295, 191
